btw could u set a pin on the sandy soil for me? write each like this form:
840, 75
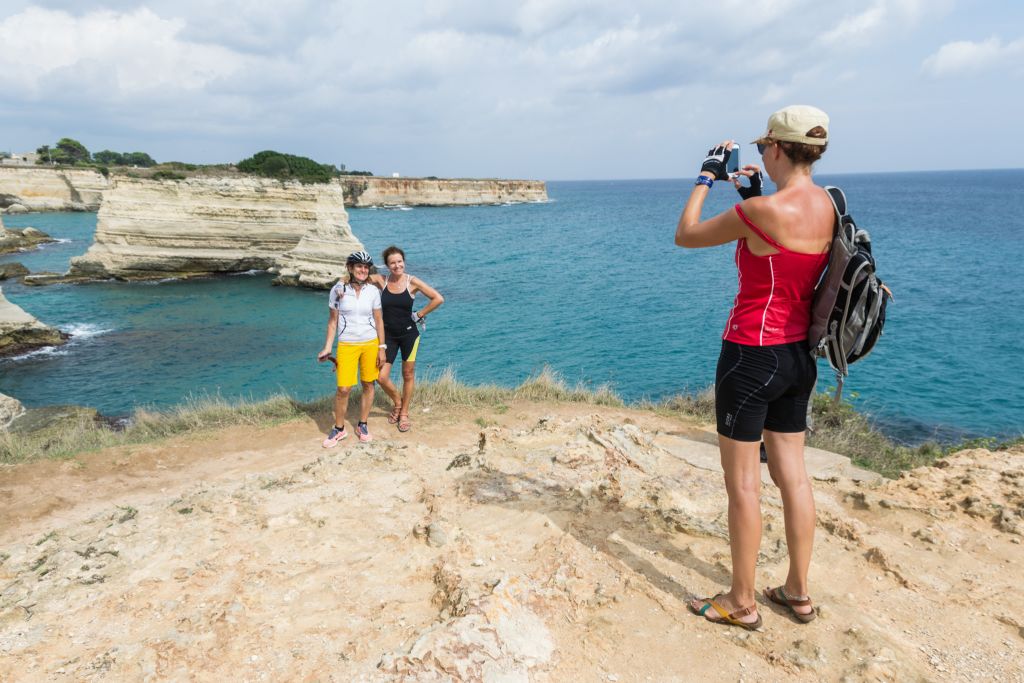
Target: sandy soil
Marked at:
545, 543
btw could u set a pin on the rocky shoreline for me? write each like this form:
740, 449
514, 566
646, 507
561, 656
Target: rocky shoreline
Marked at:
60, 189
21, 332
12, 241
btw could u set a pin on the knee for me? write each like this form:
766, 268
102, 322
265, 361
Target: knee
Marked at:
744, 490
408, 372
367, 387
343, 392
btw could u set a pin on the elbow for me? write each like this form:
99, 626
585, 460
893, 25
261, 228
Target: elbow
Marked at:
439, 300
684, 239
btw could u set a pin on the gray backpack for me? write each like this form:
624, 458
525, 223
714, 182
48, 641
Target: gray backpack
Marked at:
848, 312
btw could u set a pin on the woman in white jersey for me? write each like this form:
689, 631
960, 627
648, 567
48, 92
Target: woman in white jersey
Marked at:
355, 318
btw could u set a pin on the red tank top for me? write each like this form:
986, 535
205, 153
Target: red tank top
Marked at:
773, 305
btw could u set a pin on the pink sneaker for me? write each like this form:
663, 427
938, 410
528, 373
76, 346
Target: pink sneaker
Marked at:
335, 437
363, 432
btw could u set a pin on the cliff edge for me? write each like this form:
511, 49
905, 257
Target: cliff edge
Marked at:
50, 189
363, 191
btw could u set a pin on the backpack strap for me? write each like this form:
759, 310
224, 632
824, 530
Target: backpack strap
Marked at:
838, 199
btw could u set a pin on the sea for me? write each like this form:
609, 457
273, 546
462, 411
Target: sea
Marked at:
589, 284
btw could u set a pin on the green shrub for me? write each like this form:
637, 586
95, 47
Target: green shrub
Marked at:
164, 174
271, 164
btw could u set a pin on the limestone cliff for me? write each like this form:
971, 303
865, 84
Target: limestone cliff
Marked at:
151, 229
51, 189
20, 332
372, 191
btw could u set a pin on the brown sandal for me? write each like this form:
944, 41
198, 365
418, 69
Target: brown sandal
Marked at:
779, 597
404, 424
396, 414
727, 618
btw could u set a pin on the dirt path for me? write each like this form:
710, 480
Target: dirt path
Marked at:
546, 543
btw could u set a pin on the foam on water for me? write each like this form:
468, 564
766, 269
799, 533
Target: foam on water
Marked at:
80, 331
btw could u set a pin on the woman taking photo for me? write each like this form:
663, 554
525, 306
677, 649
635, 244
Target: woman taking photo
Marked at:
398, 292
765, 371
356, 319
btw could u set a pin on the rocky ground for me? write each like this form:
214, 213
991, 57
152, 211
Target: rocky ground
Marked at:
534, 542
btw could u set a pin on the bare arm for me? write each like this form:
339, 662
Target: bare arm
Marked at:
332, 329
378, 280
727, 226
378, 319
435, 296
692, 232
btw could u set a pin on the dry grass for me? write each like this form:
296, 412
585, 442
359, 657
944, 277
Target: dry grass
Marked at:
197, 414
67, 438
838, 427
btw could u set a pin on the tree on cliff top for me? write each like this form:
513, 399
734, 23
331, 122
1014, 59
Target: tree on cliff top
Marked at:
140, 159
273, 164
66, 151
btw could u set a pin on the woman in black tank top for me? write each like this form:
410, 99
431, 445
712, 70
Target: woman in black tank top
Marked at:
398, 293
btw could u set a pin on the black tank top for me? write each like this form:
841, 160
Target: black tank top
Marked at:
396, 309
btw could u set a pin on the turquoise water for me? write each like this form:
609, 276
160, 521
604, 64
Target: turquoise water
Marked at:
589, 283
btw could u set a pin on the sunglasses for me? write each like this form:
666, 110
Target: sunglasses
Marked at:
761, 147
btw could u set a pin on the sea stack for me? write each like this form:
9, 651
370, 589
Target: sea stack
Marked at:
155, 229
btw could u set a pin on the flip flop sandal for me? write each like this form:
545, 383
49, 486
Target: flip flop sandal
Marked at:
779, 597
404, 424
727, 618
396, 415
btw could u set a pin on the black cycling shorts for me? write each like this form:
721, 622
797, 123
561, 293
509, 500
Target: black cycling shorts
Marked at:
763, 387
408, 343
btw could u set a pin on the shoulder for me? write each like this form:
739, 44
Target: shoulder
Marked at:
759, 210
378, 279
337, 289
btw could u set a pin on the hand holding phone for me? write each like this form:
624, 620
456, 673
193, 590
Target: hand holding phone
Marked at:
732, 164
722, 160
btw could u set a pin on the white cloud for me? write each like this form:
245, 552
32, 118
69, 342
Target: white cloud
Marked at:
881, 18
131, 54
433, 79
967, 57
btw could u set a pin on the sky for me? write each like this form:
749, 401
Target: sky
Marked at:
547, 89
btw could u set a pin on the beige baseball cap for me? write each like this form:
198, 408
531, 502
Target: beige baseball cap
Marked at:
792, 123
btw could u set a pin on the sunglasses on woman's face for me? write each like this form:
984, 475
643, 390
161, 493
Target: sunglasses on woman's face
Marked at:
761, 147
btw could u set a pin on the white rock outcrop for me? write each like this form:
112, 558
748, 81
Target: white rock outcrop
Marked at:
20, 332
10, 408
373, 191
51, 189
152, 229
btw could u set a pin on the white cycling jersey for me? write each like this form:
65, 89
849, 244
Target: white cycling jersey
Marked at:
355, 311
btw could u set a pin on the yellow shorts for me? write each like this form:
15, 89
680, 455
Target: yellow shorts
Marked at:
361, 355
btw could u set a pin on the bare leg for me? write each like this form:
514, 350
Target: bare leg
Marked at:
384, 380
786, 464
742, 467
366, 402
408, 384
341, 405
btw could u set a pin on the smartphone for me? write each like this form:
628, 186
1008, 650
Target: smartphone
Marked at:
733, 165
